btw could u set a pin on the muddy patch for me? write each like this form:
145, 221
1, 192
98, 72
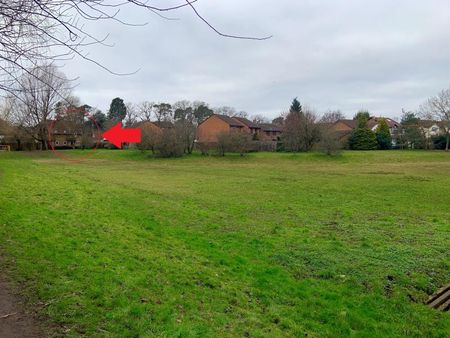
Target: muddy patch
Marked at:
15, 321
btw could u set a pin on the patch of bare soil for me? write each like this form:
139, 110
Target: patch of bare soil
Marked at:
15, 321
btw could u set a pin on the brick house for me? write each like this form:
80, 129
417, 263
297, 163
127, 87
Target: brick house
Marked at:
250, 126
264, 135
432, 128
150, 133
65, 135
375, 121
153, 126
271, 131
209, 130
345, 127
263, 131
372, 123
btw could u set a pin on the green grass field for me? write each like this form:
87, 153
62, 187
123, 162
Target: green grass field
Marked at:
268, 245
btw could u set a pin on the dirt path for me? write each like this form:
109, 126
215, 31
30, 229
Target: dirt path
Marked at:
15, 322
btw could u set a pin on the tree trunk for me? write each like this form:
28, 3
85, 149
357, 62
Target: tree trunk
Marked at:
448, 142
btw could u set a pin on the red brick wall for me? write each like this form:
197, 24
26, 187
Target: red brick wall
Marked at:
208, 131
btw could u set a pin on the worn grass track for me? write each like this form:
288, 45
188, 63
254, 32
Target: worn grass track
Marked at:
263, 246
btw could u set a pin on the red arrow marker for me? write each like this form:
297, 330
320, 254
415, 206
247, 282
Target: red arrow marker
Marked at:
117, 135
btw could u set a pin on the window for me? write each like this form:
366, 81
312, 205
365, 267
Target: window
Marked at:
65, 142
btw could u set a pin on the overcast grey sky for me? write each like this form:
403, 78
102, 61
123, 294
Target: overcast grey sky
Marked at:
381, 55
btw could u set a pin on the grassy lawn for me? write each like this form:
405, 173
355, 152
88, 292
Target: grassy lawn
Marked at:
269, 245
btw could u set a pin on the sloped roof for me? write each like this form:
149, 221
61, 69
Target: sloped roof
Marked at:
163, 124
61, 127
232, 122
349, 123
247, 122
270, 127
144, 124
427, 123
430, 123
373, 121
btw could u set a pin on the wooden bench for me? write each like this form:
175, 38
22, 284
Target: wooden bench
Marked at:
5, 147
441, 299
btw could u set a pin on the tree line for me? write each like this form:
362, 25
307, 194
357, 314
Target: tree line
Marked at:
45, 93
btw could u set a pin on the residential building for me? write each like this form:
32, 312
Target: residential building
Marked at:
250, 126
432, 128
264, 135
345, 127
374, 122
209, 130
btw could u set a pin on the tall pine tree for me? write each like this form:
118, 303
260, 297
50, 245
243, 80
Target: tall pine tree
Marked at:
296, 107
117, 110
383, 134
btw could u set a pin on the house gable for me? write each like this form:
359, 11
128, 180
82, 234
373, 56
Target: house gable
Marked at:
344, 125
209, 130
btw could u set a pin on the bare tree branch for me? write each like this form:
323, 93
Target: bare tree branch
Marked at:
33, 32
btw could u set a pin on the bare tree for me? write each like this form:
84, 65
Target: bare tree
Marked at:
332, 116
145, 110
240, 142
150, 136
438, 108
187, 131
169, 144
329, 141
33, 32
182, 105
185, 123
37, 95
291, 135
301, 131
242, 114
187, 116
233, 141
5, 127
7, 109
132, 114
225, 110
223, 141
309, 130
260, 119
279, 120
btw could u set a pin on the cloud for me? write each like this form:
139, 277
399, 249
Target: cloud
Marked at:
382, 56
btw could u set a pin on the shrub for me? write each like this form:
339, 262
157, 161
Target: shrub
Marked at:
300, 131
150, 136
383, 135
363, 139
439, 142
329, 142
169, 144
235, 141
203, 147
